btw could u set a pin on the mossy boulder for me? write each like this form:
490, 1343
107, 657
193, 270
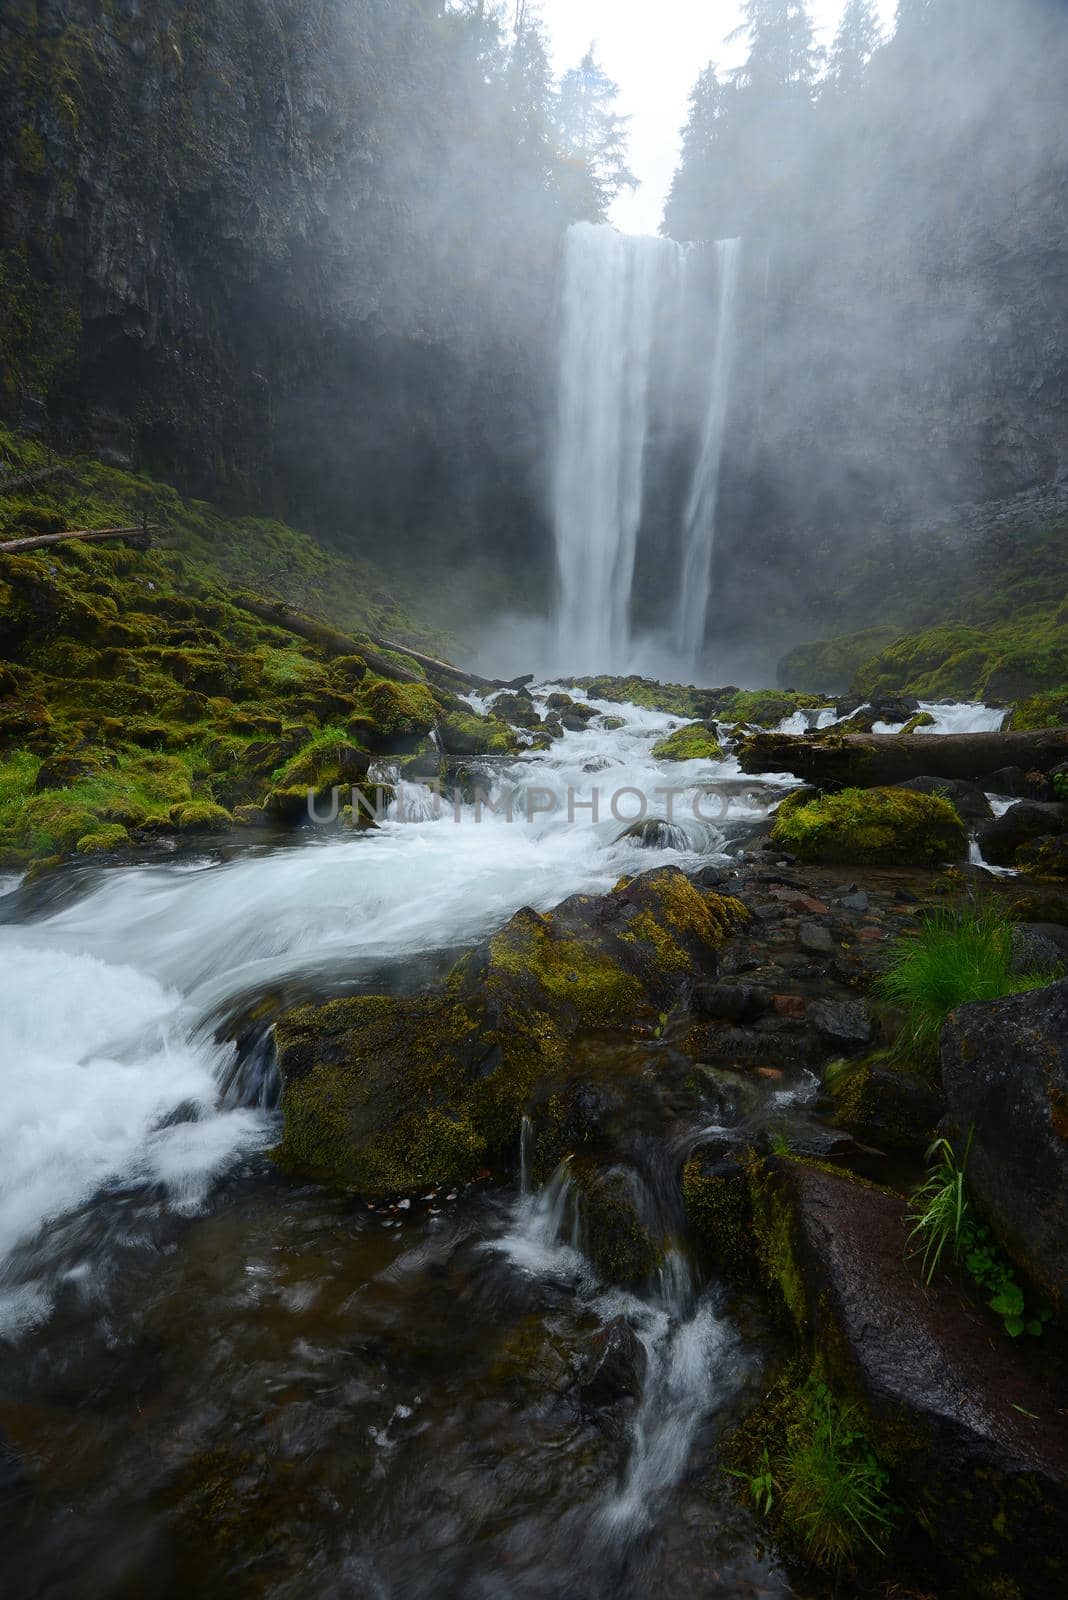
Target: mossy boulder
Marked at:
200, 816
885, 1102
103, 839
1048, 710
383, 1095
615, 1236
398, 710
871, 827
1045, 858
462, 733
695, 742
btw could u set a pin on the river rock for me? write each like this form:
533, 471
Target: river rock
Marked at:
843, 1023
730, 1002
614, 1367
815, 939
1005, 1071
1000, 840
886, 1104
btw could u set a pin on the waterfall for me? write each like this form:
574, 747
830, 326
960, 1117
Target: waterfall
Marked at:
626, 348
612, 283
699, 522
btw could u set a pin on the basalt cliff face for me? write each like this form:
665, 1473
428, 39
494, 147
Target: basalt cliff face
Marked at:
244, 241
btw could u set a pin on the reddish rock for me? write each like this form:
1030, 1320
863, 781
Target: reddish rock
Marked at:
793, 1006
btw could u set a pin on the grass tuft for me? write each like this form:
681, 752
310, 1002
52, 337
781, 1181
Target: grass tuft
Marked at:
956, 959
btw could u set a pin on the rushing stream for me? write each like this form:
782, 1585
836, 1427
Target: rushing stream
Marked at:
219, 1382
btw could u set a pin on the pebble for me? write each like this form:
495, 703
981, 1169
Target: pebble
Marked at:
815, 939
856, 902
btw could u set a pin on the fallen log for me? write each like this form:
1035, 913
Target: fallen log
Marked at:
140, 535
327, 639
862, 761
445, 669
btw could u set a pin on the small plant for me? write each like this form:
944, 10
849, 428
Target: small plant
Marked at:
945, 1222
956, 959
779, 1143
836, 1490
819, 1480
1060, 785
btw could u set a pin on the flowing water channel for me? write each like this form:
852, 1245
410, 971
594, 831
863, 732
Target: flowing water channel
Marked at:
215, 1381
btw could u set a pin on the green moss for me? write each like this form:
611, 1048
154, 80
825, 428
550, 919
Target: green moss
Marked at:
200, 816
111, 837
719, 1212
384, 1095
615, 1237
399, 708
465, 734
692, 743
1048, 710
871, 827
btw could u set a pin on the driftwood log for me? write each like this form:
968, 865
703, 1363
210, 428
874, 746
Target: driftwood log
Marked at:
445, 669
865, 760
139, 535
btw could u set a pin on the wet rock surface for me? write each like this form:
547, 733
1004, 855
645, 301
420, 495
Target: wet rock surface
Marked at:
1005, 1070
978, 1445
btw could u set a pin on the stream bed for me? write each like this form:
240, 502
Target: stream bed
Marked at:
215, 1381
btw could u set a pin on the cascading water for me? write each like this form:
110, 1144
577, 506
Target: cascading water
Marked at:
612, 284
623, 339
699, 522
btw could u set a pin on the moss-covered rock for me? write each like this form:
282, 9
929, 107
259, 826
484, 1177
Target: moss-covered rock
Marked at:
614, 1234
695, 742
871, 827
383, 1095
200, 816
885, 1102
1041, 711
462, 733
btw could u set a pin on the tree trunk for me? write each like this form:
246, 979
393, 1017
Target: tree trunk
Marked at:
866, 760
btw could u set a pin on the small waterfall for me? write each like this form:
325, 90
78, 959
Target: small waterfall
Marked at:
628, 381
682, 1338
699, 521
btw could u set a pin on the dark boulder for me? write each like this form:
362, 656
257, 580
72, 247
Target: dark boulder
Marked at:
974, 1439
1027, 820
730, 1002
1045, 857
845, 1024
967, 799
1019, 784
614, 1367
1005, 1071
886, 1104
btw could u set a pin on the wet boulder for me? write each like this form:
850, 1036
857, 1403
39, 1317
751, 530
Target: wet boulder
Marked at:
695, 742
1005, 1071
1001, 840
1045, 858
614, 1365
885, 1103
843, 1024
971, 1434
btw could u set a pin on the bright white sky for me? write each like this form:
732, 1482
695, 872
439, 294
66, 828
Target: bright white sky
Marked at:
654, 50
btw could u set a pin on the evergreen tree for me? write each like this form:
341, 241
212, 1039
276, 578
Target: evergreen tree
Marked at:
855, 43
593, 138
783, 53
699, 190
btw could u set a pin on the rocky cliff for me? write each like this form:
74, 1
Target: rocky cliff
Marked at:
247, 242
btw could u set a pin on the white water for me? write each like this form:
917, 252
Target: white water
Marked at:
108, 1006
692, 1361
621, 343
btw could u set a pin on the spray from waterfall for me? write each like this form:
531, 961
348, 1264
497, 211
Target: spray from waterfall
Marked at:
699, 521
624, 387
